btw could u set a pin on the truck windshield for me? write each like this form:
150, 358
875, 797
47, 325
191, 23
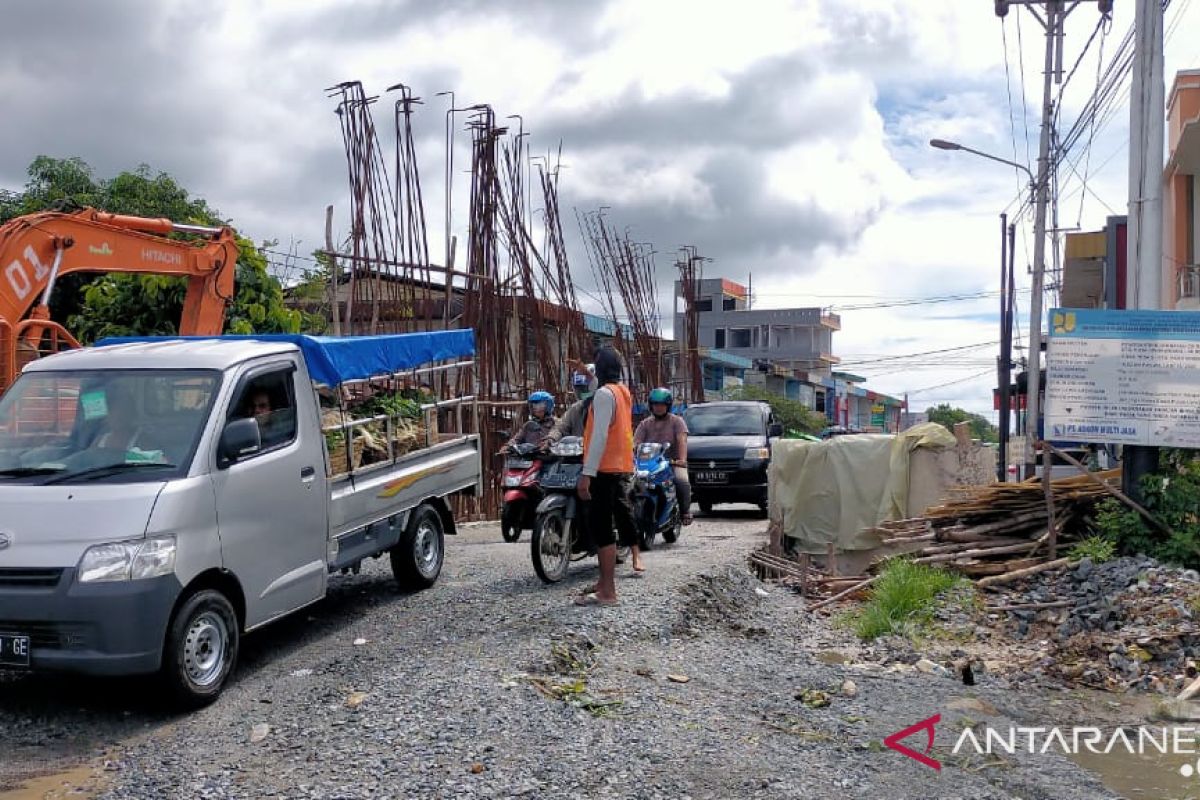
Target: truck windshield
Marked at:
724, 421
57, 427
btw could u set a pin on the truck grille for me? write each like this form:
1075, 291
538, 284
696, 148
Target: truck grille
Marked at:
21, 577
50, 635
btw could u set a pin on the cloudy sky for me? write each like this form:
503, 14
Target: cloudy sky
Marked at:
785, 140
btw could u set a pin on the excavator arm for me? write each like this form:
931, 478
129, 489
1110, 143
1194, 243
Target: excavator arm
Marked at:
37, 249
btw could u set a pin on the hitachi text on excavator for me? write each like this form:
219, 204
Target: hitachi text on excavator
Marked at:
36, 249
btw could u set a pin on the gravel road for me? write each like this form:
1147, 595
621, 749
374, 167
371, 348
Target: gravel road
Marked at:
492, 685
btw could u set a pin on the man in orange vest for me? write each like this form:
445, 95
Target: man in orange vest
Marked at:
607, 472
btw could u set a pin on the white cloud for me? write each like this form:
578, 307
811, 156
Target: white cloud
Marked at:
786, 139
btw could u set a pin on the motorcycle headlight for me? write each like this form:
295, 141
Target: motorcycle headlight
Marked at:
757, 454
567, 449
123, 561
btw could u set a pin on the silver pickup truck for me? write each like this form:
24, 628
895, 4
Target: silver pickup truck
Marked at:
159, 498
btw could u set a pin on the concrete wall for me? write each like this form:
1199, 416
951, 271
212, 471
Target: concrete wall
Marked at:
932, 472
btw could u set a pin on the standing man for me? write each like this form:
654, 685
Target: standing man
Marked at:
607, 470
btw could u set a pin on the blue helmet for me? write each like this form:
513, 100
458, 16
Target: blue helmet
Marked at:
543, 397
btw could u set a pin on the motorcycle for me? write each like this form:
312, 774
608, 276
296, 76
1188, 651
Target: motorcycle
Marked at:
559, 533
655, 506
522, 491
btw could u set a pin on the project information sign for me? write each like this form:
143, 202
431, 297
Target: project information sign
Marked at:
1123, 377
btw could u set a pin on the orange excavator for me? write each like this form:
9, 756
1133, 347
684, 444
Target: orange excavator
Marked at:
36, 249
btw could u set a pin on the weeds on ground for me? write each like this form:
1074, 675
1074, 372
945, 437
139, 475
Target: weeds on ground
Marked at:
1098, 548
1170, 495
902, 600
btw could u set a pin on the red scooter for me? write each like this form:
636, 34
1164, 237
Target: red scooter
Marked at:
522, 490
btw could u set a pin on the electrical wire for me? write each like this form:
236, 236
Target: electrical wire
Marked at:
1012, 124
948, 383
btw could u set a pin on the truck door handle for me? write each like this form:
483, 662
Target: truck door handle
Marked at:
307, 473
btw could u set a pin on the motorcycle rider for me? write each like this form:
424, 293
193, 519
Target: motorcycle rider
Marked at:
541, 421
583, 381
667, 428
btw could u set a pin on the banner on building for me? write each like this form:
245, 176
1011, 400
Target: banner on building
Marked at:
878, 415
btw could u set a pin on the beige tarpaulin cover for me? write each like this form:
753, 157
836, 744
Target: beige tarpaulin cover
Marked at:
829, 492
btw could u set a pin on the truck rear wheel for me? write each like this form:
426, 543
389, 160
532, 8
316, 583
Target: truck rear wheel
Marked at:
417, 559
201, 649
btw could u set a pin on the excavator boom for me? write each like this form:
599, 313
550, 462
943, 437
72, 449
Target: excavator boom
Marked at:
37, 249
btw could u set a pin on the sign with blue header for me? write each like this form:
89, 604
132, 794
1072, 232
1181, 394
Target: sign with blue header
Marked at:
1123, 377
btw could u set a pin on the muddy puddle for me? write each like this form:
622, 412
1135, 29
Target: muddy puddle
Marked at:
79, 783
1149, 774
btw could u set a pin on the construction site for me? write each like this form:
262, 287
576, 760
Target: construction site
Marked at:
512, 280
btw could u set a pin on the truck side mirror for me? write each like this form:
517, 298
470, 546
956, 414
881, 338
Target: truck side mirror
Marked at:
774, 430
240, 438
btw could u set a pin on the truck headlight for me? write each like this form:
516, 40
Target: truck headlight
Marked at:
757, 454
123, 561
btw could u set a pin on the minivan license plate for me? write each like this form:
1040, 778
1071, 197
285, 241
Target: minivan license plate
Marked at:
712, 477
14, 650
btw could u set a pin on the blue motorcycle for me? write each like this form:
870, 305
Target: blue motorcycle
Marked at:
655, 507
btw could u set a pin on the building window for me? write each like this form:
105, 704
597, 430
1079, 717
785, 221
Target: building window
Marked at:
739, 338
719, 338
704, 304
820, 402
729, 304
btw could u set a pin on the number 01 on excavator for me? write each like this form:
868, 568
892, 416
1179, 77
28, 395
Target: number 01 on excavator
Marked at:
37, 249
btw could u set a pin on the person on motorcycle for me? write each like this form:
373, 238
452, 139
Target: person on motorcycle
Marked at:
583, 382
667, 428
541, 421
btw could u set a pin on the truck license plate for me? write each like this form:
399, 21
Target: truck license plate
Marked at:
14, 650
712, 477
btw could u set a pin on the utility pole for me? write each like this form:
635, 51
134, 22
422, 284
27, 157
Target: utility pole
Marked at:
1004, 362
1002, 367
1143, 279
1052, 16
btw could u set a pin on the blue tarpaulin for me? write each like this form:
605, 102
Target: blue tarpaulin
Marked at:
335, 359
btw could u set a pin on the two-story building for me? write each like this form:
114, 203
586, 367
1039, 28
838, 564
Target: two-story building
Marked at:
791, 338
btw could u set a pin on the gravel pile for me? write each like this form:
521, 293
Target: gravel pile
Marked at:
1129, 623
702, 683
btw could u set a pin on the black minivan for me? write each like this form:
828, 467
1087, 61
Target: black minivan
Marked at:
729, 448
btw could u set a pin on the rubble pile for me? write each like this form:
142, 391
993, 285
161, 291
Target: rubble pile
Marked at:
1131, 623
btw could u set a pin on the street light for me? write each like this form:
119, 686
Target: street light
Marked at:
1038, 187
942, 144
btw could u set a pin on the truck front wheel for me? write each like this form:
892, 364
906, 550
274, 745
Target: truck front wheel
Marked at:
201, 649
417, 559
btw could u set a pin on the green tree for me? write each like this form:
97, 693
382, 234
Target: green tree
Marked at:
94, 306
948, 416
792, 414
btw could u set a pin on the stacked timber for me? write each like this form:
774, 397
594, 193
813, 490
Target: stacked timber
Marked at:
1002, 529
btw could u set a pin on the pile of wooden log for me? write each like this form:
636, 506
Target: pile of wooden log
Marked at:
1003, 529
824, 585
996, 534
